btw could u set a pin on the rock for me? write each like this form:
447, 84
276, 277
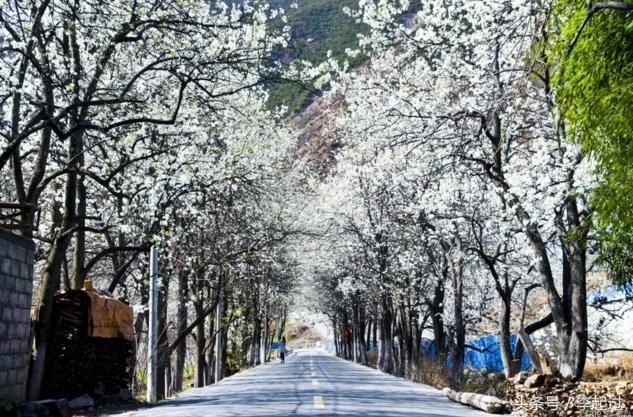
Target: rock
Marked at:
534, 381
64, 408
46, 408
83, 401
125, 394
620, 388
35, 409
562, 391
99, 390
520, 377
553, 381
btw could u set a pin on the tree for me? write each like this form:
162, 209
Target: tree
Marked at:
592, 46
468, 92
126, 123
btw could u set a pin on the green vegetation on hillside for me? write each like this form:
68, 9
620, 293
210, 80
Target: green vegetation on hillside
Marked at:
317, 26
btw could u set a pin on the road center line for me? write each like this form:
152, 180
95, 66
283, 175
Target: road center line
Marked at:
315, 382
318, 402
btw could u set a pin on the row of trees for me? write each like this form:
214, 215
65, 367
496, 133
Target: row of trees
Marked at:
460, 196
128, 124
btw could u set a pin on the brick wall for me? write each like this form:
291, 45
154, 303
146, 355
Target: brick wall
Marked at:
16, 287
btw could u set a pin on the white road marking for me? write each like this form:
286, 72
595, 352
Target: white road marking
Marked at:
318, 402
315, 382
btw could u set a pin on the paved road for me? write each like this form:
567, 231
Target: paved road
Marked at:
311, 383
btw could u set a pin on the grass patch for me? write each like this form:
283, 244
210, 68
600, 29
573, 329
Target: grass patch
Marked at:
483, 382
613, 368
372, 358
430, 372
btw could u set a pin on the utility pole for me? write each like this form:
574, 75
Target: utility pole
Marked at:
152, 328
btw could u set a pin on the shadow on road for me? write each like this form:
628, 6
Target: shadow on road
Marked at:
343, 390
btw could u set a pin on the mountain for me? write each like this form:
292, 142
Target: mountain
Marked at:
317, 26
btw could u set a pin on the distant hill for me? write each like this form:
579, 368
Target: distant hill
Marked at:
317, 26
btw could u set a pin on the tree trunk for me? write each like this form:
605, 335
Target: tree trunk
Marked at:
163, 360
436, 308
337, 349
456, 376
199, 380
362, 343
505, 347
569, 311
527, 343
401, 359
224, 331
253, 354
416, 345
264, 340
406, 330
355, 356
140, 321
573, 352
386, 354
344, 343
282, 323
79, 255
368, 337
374, 335
355, 331
181, 325
219, 340
210, 345
52, 274
50, 284
486, 403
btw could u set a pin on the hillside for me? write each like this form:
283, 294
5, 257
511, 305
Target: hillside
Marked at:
317, 26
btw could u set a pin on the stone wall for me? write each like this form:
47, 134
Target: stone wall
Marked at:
16, 288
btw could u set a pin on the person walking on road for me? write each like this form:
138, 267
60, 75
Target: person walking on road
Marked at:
282, 349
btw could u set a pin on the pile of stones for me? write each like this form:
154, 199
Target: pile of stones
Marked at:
538, 395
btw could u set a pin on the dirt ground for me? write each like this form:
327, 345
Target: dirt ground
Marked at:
111, 409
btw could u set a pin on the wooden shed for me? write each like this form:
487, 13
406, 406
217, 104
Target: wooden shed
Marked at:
93, 346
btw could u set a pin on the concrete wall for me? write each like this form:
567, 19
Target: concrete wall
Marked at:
16, 288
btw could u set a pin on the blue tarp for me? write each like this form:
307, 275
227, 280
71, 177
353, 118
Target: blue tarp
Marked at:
489, 358
485, 356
